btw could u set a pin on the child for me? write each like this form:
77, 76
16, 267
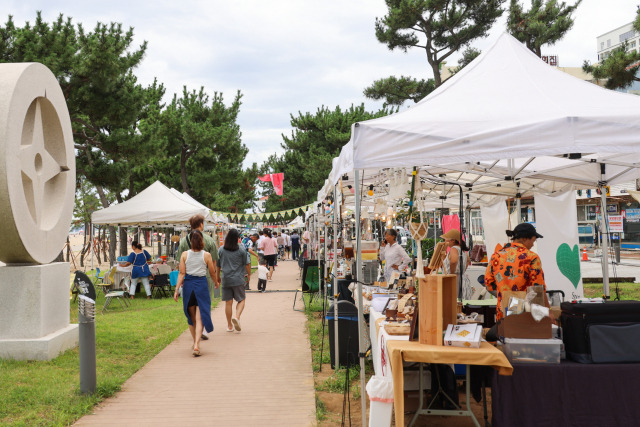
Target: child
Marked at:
262, 275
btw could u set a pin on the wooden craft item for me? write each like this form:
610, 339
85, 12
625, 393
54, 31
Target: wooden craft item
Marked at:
398, 328
415, 325
439, 254
438, 306
403, 301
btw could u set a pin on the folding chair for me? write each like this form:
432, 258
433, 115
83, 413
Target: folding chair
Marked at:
119, 295
310, 282
107, 281
160, 284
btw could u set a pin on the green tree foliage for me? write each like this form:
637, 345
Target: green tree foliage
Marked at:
315, 140
620, 68
105, 101
199, 151
395, 91
546, 22
440, 28
468, 55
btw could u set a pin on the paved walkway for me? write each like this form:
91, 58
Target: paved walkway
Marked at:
261, 376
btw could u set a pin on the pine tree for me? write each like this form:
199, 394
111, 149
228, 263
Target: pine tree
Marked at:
620, 68
546, 22
440, 28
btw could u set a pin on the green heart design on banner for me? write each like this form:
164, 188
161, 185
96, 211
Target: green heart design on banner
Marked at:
568, 261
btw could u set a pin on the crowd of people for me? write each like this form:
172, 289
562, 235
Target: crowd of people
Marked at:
204, 267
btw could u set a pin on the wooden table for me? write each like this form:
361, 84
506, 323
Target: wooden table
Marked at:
411, 351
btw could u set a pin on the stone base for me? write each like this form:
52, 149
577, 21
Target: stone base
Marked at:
45, 348
34, 311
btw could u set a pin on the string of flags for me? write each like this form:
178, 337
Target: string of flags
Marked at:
285, 215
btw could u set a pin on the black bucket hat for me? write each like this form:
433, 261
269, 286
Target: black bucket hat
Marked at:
525, 230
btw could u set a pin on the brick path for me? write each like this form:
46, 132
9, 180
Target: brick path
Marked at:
261, 376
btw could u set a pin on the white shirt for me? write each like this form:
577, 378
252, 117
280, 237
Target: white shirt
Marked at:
287, 239
393, 254
260, 251
262, 272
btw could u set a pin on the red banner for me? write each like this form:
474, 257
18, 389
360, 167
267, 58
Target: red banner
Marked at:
277, 179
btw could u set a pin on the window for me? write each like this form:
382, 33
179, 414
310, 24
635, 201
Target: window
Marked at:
609, 43
626, 36
601, 45
632, 44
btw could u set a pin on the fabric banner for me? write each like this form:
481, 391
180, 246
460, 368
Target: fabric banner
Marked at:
495, 220
557, 221
450, 222
277, 179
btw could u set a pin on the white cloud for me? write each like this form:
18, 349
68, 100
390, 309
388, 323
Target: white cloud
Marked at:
285, 56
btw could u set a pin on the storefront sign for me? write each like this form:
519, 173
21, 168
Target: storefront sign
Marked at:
615, 224
612, 209
632, 215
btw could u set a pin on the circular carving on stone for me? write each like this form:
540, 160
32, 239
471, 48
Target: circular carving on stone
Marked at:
37, 185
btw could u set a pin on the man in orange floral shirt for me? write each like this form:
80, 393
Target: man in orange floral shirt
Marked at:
514, 267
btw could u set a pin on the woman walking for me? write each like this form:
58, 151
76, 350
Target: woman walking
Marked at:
270, 249
196, 298
235, 264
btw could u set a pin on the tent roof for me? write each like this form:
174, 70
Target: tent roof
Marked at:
155, 205
506, 104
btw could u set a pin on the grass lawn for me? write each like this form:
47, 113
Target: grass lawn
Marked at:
47, 393
627, 291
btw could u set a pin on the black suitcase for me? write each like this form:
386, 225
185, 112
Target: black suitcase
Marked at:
601, 332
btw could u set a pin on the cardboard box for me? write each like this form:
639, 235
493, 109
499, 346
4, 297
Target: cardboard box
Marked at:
524, 326
463, 336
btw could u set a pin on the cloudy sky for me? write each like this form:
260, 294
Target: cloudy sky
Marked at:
285, 56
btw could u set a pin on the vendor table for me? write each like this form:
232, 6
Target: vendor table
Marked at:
411, 351
567, 394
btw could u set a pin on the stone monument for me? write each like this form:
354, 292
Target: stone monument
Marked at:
37, 189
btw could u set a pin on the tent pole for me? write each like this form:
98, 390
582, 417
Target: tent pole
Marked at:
362, 350
605, 238
91, 243
335, 275
325, 258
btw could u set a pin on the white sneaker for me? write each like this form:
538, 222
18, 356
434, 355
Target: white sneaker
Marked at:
236, 324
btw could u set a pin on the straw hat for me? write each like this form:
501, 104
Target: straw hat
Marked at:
452, 234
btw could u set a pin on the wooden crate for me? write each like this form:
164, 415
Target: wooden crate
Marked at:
438, 305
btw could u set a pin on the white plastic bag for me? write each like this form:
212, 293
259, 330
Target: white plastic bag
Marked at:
380, 389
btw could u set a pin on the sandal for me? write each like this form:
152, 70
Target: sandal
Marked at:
236, 324
230, 329
196, 353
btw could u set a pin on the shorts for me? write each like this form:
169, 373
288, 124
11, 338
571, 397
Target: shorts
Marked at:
192, 300
271, 260
233, 293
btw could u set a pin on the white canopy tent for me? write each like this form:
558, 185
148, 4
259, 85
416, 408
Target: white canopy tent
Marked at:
507, 124
506, 104
156, 205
